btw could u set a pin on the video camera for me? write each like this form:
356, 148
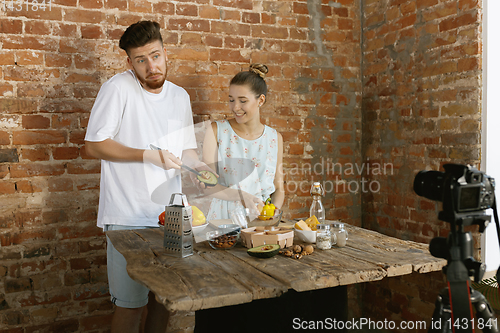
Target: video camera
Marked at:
464, 191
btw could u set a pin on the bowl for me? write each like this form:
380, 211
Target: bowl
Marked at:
233, 229
307, 236
273, 221
220, 240
239, 216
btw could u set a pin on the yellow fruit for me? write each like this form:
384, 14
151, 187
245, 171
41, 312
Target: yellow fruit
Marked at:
301, 225
198, 216
312, 222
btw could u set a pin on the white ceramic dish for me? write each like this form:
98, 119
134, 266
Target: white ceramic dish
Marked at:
198, 228
306, 235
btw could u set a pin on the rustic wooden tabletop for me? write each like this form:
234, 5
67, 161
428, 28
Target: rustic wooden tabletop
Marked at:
215, 278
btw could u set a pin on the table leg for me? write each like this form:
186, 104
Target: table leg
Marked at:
159, 320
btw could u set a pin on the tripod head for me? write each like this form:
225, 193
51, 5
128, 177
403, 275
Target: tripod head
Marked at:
441, 247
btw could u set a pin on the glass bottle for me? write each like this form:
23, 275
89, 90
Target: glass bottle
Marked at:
317, 208
339, 231
323, 237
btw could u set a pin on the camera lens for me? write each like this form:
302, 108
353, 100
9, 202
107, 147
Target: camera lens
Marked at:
429, 184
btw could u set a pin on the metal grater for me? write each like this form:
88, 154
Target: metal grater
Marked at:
178, 235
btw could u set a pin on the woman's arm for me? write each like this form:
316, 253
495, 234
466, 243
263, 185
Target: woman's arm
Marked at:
222, 192
278, 197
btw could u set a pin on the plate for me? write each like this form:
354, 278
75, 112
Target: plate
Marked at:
198, 228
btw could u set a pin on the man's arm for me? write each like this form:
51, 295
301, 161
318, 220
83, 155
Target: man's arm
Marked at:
114, 151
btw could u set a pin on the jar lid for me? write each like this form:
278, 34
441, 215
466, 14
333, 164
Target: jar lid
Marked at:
323, 227
337, 224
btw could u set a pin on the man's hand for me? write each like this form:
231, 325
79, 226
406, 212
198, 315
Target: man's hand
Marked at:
162, 158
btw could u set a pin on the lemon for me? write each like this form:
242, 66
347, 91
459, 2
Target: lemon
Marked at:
198, 216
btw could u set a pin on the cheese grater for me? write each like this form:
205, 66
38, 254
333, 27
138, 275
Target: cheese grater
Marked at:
178, 235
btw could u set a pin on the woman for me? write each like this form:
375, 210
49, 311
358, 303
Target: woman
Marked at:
248, 154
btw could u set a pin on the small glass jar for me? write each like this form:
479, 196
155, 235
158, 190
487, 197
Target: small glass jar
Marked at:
323, 237
340, 233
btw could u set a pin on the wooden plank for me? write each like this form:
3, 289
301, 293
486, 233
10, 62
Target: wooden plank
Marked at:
349, 270
397, 257
260, 284
189, 284
295, 274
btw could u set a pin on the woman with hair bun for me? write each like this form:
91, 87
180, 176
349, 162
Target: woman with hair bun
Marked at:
241, 138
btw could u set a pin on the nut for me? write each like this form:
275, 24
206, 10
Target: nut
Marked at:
297, 249
309, 249
224, 241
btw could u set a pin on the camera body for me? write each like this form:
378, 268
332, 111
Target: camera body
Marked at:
464, 191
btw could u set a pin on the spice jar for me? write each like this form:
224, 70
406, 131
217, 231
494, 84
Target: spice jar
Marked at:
323, 237
340, 233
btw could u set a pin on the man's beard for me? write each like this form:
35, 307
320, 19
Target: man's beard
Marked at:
152, 84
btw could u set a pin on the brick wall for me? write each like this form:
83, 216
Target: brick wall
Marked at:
52, 63
421, 104
421, 109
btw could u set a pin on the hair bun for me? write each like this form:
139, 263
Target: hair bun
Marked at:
259, 69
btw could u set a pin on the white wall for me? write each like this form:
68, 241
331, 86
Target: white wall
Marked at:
491, 120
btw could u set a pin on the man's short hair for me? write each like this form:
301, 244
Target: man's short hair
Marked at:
140, 34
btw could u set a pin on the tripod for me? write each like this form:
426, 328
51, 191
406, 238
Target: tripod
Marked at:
459, 296
442, 320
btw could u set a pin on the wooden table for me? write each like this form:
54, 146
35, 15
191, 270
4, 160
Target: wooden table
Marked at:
216, 278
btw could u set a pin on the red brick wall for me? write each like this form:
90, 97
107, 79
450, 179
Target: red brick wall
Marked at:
421, 109
52, 63
421, 104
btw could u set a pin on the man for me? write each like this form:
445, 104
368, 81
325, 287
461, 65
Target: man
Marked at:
133, 110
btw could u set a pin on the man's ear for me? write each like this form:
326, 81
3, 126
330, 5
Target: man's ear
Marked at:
129, 63
165, 52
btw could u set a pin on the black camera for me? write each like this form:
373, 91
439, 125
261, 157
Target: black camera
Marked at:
464, 191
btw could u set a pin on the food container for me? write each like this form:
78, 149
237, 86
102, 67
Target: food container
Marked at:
218, 240
256, 236
323, 237
340, 233
273, 221
307, 236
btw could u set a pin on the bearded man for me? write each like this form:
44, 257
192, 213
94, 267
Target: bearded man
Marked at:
133, 111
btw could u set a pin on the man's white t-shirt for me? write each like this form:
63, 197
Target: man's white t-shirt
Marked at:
125, 112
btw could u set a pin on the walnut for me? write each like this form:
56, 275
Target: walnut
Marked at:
309, 249
297, 249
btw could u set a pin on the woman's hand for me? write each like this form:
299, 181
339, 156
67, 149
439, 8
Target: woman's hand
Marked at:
162, 158
253, 203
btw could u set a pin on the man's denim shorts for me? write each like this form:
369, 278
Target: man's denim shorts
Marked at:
125, 292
